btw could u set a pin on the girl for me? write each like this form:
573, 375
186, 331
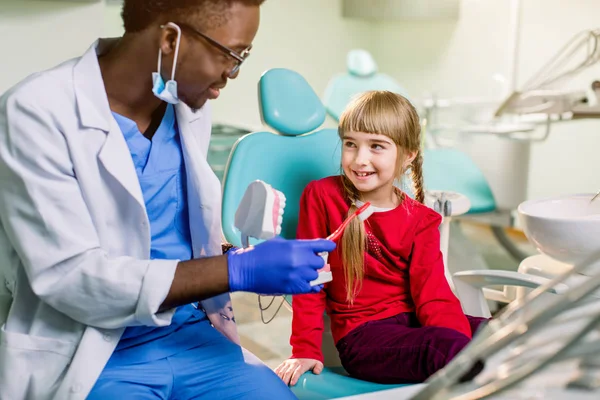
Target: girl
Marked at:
394, 318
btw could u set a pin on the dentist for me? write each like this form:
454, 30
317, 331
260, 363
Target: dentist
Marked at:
112, 279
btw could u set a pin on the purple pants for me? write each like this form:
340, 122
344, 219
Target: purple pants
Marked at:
400, 350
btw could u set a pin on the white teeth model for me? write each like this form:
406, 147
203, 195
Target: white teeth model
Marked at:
324, 273
260, 213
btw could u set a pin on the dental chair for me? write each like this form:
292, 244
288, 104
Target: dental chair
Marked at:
288, 160
362, 76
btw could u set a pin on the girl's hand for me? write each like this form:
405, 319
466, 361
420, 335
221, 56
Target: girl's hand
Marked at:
291, 370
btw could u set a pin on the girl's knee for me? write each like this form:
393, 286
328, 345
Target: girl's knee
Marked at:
477, 323
442, 345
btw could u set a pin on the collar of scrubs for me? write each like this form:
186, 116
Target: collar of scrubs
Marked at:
152, 156
161, 173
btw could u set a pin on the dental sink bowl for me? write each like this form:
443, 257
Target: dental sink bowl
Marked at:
565, 228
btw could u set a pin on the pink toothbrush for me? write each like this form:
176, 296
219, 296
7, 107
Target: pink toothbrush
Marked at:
363, 213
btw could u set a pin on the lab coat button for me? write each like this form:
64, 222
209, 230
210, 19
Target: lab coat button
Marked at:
76, 388
107, 337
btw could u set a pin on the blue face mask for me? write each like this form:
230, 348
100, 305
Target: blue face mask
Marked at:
167, 92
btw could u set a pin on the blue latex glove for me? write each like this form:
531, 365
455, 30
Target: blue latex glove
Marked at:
277, 266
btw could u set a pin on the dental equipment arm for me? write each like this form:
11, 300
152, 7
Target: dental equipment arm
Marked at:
510, 373
539, 95
515, 323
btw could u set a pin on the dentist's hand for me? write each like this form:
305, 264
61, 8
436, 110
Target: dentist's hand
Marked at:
277, 266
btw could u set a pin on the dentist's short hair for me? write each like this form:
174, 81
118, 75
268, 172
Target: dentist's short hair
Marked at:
140, 14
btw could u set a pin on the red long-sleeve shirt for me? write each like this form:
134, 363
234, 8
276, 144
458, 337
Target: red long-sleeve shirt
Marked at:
404, 270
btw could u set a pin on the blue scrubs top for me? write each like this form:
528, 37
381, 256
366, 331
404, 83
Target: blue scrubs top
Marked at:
161, 171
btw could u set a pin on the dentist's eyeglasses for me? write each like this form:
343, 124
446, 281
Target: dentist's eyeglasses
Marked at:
236, 58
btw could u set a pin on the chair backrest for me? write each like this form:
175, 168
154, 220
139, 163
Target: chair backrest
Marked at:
288, 159
447, 169
361, 75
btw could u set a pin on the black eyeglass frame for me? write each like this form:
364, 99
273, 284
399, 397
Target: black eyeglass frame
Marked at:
238, 57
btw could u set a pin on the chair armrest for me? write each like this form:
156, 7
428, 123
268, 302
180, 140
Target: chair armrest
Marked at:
484, 278
470, 288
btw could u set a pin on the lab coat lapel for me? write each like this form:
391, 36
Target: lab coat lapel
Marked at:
94, 112
116, 159
204, 188
204, 200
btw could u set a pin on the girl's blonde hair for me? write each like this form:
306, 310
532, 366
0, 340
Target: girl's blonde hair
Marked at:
389, 114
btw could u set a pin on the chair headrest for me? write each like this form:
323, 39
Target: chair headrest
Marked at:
288, 104
360, 63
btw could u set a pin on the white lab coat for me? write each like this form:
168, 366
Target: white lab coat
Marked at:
75, 236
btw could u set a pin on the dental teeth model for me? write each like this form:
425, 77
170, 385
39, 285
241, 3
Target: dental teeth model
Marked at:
260, 213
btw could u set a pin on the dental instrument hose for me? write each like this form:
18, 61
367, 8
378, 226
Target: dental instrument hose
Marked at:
263, 309
509, 326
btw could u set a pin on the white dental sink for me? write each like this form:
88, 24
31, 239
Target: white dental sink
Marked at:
565, 228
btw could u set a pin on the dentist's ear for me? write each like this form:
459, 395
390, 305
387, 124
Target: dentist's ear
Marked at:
170, 37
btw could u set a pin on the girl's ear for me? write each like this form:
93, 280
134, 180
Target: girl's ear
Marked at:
410, 157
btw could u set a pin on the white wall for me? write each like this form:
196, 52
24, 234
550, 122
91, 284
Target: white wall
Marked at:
37, 35
568, 161
308, 36
458, 59
448, 57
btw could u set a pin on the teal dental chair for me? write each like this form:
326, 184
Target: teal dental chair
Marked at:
362, 75
288, 160
448, 169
